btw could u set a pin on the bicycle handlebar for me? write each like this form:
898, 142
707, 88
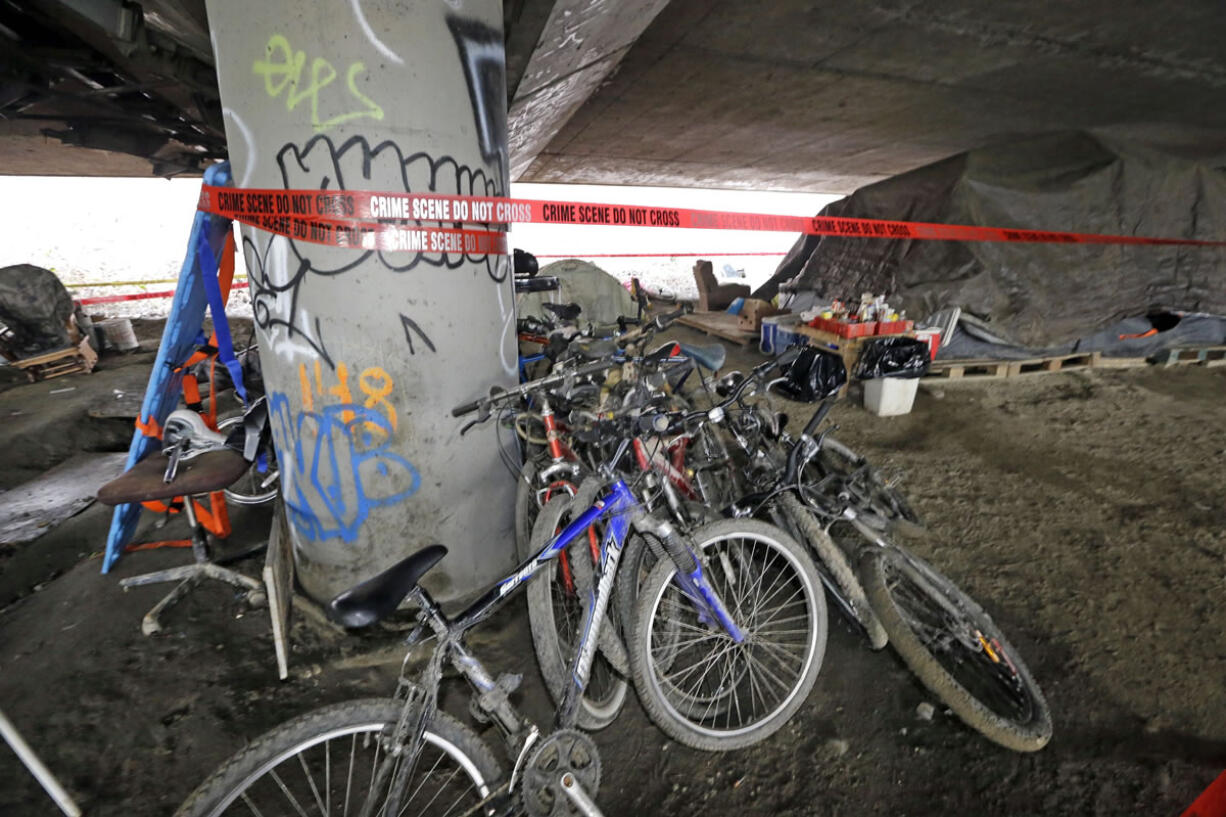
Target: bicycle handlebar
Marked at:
532, 385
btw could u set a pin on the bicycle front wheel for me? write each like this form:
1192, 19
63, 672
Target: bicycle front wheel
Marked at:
324, 762
957, 651
557, 609
698, 685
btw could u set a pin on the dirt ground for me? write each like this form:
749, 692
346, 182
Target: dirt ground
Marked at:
1084, 510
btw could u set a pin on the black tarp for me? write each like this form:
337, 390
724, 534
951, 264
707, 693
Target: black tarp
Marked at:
1033, 295
35, 307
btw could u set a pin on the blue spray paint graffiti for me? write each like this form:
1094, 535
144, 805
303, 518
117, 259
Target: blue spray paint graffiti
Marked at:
339, 468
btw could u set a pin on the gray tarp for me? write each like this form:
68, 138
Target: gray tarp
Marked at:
1127, 338
35, 306
1034, 295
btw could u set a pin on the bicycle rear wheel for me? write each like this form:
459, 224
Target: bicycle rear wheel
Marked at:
697, 684
957, 651
324, 761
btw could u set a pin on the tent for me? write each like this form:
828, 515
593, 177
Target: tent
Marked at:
1033, 295
602, 296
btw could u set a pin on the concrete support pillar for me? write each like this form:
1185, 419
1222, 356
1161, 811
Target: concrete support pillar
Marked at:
364, 353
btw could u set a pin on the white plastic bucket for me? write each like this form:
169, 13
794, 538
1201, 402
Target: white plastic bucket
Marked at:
890, 396
119, 334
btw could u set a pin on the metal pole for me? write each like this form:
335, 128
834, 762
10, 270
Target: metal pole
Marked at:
41, 773
365, 352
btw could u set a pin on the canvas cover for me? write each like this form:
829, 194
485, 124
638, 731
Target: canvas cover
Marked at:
35, 307
1033, 295
602, 296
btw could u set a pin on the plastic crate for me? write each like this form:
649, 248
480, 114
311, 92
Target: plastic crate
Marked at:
844, 329
894, 327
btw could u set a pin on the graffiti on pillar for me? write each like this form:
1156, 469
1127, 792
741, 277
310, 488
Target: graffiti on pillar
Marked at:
274, 284
321, 164
297, 79
336, 465
483, 57
282, 70
411, 328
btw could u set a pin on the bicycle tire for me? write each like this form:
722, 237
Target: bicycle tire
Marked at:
661, 612
883, 572
840, 569
526, 507
236, 494
551, 607
239, 780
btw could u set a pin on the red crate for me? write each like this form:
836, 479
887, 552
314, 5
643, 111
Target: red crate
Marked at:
894, 327
844, 329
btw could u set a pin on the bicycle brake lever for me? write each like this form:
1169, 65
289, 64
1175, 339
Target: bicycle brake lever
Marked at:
172, 467
469, 425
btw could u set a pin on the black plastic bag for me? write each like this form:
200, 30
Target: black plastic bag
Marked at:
814, 374
893, 357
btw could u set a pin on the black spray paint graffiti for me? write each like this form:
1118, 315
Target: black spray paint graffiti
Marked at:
274, 303
321, 164
485, 70
410, 326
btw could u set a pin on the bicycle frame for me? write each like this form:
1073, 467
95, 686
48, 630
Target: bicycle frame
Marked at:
619, 508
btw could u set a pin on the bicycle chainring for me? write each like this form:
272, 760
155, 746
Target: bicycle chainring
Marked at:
566, 750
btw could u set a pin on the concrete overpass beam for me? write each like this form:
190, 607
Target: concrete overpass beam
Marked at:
581, 45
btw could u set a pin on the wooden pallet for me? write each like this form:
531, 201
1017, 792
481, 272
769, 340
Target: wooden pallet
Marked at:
79, 358
721, 325
988, 369
1190, 356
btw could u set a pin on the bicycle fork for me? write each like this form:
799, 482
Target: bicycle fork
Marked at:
690, 577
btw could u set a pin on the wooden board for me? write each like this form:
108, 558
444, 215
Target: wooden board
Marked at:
1120, 363
1191, 356
279, 583
983, 368
79, 358
721, 325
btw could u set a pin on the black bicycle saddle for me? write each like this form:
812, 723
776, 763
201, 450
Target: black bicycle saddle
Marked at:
377, 597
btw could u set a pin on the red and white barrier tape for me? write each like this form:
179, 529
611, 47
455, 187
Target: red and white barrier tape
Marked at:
392, 221
140, 296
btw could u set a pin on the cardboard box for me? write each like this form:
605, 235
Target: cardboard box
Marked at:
753, 311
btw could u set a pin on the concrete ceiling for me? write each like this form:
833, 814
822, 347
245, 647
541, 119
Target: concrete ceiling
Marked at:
829, 96
784, 95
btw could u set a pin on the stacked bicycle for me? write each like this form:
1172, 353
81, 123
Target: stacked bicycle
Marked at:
645, 565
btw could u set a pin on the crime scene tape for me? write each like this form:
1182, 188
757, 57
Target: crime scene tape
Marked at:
141, 296
373, 221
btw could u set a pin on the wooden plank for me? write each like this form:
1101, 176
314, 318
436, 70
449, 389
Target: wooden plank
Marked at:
45, 357
1120, 362
970, 368
279, 583
720, 324
1058, 363
1191, 355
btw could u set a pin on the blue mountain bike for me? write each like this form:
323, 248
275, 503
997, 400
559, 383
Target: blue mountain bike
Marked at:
730, 630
